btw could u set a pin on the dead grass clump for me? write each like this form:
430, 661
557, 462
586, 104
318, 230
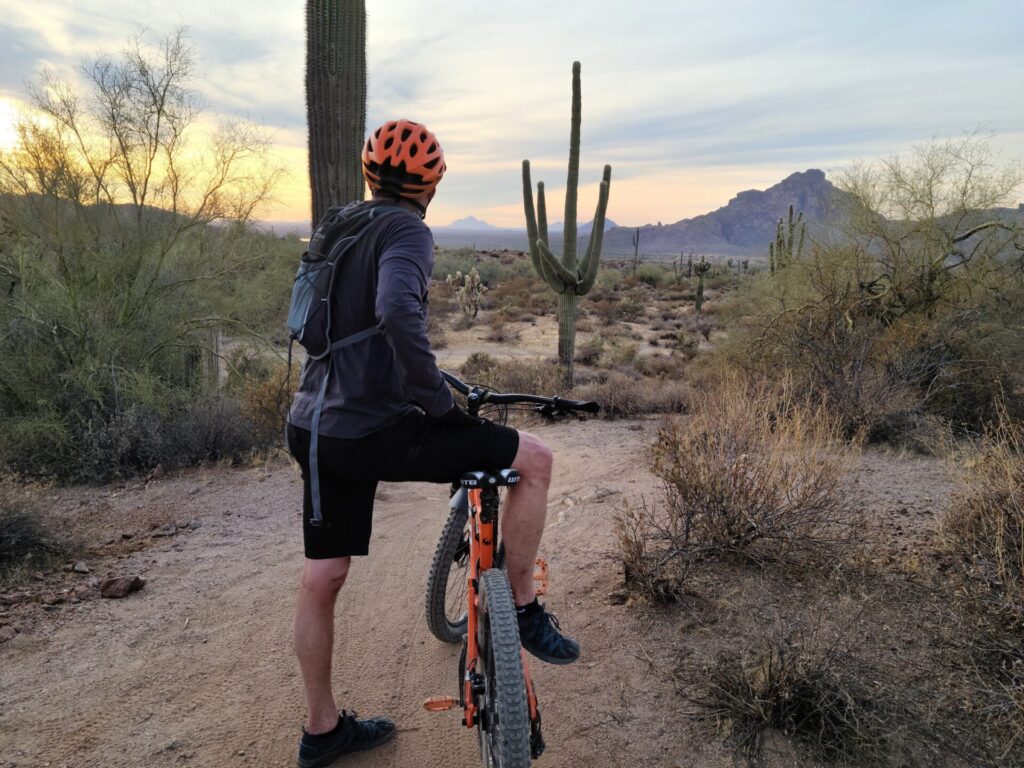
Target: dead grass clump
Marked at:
754, 473
984, 526
822, 699
535, 377
28, 540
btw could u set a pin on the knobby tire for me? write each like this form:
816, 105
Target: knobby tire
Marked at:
504, 727
448, 623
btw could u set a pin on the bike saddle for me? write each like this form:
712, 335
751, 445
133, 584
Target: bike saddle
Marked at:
482, 479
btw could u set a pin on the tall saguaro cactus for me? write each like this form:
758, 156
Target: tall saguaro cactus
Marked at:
335, 100
568, 277
782, 252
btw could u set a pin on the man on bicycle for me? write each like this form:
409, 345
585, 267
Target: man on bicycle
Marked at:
388, 415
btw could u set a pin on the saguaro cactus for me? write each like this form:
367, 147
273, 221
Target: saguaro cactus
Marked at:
781, 252
701, 269
636, 249
335, 100
569, 278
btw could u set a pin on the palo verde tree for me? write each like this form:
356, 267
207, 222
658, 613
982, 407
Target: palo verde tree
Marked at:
335, 100
568, 277
120, 245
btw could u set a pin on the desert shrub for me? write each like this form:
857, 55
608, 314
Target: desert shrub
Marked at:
654, 275
624, 396
531, 376
501, 332
701, 324
619, 354
28, 539
984, 526
754, 473
833, 706
666, 367
588, 351
631, 307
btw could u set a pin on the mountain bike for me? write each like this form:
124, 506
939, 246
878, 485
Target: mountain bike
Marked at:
469, 598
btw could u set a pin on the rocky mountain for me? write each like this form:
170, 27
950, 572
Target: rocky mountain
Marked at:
744, 226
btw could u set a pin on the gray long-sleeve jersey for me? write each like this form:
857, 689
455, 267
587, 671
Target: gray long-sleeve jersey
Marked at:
383, 280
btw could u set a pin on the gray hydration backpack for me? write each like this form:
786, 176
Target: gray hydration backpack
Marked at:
309, 316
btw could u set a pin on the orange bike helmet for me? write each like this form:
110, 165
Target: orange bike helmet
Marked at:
403, 158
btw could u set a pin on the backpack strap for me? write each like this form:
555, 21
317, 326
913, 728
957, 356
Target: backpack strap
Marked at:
314, 439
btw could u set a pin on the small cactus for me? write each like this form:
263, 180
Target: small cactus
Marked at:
468, 289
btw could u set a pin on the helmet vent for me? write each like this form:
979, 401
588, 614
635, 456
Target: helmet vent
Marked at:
412, 150
389, 142
406, 134
431, 164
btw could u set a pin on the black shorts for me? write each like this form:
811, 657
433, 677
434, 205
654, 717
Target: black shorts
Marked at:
416, 448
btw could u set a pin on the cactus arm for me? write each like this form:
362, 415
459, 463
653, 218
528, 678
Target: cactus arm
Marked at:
592, 261
569, 238
542, 214
532, 234
531, 216
557, 268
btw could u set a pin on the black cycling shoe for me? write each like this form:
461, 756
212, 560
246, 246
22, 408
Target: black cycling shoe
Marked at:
350, 735
540, 635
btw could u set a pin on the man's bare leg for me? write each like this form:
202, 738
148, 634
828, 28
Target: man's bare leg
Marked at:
314, 637
524, 515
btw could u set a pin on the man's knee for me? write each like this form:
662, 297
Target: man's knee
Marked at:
325, 577
534, 459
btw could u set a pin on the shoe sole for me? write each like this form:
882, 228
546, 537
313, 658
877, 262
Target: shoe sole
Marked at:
325, 760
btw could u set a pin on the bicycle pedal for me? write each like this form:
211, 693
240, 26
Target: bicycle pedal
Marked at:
541, 576
440, 703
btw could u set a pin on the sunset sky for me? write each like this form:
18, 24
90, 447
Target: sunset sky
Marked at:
690, 102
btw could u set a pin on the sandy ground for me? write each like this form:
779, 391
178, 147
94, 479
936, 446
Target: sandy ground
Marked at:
197, 668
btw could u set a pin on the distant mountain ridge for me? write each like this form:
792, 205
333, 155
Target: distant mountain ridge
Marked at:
471, 222
742, 227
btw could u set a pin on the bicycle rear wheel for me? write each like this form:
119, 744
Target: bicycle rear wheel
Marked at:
446, 583
504, 716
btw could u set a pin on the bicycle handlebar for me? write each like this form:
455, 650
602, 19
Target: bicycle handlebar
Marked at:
549, 405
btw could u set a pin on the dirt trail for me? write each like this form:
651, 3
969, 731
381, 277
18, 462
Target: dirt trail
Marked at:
197, 668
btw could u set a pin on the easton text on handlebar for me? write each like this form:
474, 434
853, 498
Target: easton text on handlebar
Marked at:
549, 406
